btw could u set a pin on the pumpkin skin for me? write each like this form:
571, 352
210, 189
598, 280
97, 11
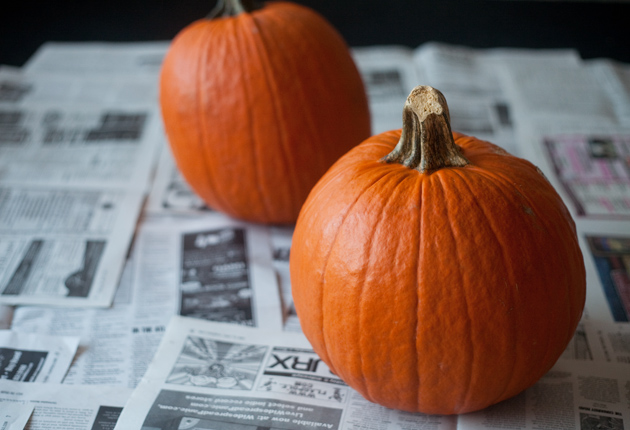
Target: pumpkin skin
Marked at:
257, 106
438, 292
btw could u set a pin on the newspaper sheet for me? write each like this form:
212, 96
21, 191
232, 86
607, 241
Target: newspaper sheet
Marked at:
76, 159
210, 375
102, 130
172, 196
115, 347
35, 357
568, 116
588, 167
564, 95
606, 250
592, 171
470, 80
586, 163
281, 238
389, 75
67, 144
142, 58
209, 267
614, 77
170, 193
14, 416
573, 126
602, 344
19, 86
64, 246
55, 406
118, 343
586, 389
206, 375
573, 395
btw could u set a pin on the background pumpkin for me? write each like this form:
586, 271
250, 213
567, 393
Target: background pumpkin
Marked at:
257, 103
441, 276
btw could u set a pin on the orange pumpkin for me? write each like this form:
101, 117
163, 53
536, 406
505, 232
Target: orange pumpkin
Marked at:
433, 271
257, 104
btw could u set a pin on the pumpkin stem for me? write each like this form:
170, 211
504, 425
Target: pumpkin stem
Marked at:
227, 8
426, 143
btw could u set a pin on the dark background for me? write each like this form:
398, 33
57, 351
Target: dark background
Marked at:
595, 29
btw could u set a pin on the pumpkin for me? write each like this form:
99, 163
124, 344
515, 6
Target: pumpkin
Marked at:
434, 272
258, 101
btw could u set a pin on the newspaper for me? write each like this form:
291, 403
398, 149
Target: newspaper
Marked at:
170, 193
115, 347
584, 100
601, 343
571, 396
585, 163
19, 86
61, 246
211, 267
614, 77
76, 160
548, 106
55, 406
172, 196
606, 250
586, 389
471, 82
14, 416
68, 144
35, 357
568, 94
588, 167
573, 126
118, 343
470, 79
210, 375
281, 238
98, 129
142, 58
389, 76
207, 375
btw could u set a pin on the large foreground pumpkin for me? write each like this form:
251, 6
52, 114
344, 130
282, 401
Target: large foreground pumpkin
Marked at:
435, 272
257, 104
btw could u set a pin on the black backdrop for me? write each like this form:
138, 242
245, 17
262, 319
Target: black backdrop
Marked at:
595, 29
